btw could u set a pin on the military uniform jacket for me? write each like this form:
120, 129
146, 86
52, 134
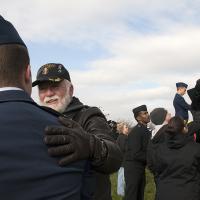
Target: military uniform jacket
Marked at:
27, 171
138, 139
181, 107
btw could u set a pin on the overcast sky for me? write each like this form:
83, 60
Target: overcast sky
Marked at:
120, 53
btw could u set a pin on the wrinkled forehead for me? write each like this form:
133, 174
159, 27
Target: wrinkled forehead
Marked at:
181, 88
48, 84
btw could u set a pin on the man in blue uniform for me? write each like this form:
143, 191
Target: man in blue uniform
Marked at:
180, 105
135, 157
27, 171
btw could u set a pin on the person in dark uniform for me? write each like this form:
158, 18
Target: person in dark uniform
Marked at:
175, 164
27, 171
180, 105
194, 126
135, 157
93, 133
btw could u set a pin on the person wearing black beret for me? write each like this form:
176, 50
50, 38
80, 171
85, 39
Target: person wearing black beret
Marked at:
180, 105
135, 157
27, 170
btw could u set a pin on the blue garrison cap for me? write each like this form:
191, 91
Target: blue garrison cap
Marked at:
181, 84
8, 33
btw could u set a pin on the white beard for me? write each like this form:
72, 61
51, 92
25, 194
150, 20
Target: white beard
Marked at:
61, 103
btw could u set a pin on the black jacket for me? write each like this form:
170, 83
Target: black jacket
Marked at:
122, 141
138, 139
93, 121
194, 126
153, 144
175, 164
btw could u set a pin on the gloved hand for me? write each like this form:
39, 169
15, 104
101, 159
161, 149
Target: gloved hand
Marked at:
72, 143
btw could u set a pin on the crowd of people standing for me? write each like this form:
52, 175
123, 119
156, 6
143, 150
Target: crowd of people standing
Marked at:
168, 146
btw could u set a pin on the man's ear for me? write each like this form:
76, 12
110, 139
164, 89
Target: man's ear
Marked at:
71, 90
27, 80
28, 76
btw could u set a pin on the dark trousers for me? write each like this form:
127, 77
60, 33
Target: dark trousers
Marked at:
135, 180
103, 187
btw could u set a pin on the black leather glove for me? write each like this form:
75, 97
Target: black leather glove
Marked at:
72, 143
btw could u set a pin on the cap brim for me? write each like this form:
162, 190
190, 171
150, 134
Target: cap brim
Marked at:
37, 82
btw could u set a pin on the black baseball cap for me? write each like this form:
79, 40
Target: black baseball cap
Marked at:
54, 72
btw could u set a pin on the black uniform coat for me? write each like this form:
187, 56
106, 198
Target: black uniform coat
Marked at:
175, 164
93, 121
138, 139
27, 172
135, 162
181, 107
122, 141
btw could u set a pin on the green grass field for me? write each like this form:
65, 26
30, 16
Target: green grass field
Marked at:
149, 189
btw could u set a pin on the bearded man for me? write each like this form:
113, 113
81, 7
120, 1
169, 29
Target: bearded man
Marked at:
91, 137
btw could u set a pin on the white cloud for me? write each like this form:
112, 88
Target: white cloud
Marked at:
155, 42
156, 58
161, 60
93, 20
